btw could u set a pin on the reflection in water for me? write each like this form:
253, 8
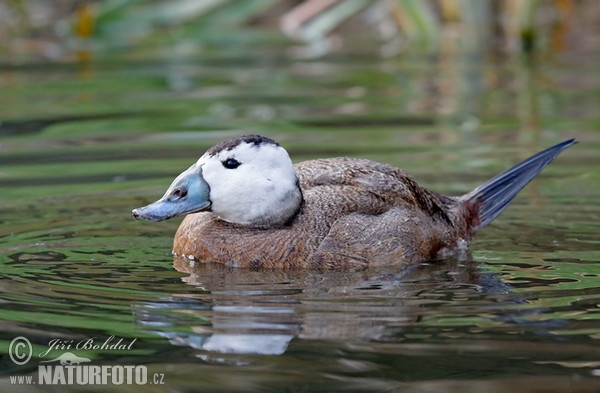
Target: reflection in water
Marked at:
238, 311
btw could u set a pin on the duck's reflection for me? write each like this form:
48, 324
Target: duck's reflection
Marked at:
238, 311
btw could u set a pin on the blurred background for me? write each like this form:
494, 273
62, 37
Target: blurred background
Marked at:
63, 30
438, 58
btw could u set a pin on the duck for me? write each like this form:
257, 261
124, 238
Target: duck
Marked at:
247, 205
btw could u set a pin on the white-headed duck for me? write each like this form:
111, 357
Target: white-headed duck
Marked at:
247, 205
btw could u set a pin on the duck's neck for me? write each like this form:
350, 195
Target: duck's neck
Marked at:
273, 210
281, 213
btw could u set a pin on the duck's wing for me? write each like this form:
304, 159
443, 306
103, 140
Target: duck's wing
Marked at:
377, 214
387, 186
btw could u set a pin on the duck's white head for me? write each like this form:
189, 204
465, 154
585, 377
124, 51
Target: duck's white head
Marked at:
248, 180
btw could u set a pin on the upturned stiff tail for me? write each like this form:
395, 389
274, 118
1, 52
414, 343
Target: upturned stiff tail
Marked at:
492, 197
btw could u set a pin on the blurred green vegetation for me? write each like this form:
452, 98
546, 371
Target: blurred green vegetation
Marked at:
75, 29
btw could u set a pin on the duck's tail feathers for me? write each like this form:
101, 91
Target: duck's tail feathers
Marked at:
492, 197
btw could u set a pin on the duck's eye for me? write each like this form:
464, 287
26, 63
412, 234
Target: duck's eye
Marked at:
231, 163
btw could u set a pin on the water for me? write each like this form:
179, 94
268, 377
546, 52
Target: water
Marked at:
83, 144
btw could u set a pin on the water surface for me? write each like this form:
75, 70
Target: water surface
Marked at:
83, 144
